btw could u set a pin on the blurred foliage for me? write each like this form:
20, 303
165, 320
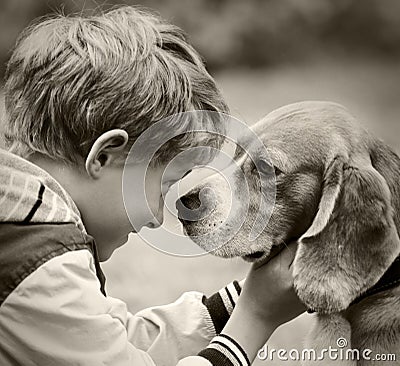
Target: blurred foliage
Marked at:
251, 33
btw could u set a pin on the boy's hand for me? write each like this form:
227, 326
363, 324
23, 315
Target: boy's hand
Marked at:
268, 290
267, 301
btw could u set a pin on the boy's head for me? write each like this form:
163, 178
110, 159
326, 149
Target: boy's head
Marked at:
79, 92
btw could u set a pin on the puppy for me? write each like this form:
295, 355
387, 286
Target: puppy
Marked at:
336, 190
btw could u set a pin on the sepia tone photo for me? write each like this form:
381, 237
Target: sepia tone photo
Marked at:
203, 182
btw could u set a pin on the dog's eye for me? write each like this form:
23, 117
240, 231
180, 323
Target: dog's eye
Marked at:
266, 168
277, 171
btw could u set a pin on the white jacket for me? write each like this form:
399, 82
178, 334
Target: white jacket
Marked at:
53, 307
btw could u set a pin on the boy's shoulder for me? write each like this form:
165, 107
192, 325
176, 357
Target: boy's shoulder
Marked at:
38, 222
26, 247
28, 194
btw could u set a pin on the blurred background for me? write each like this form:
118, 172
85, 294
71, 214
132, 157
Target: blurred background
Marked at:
264, 54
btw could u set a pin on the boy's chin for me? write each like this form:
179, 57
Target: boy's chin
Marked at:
106, 253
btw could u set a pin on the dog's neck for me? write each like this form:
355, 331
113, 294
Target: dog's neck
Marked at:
390, 279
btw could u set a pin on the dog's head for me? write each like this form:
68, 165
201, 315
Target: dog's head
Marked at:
329, 197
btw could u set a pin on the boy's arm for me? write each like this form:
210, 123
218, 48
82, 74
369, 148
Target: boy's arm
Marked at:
184, 327
58, 316
267, 301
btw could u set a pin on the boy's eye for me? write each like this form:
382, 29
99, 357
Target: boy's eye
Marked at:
171, 182
187, 173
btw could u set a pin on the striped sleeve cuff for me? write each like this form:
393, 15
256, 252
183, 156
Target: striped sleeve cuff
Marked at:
225, 351
221, 304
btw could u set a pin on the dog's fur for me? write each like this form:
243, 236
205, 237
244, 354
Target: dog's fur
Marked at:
338, 194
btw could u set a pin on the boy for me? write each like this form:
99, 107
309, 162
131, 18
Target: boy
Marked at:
79, 91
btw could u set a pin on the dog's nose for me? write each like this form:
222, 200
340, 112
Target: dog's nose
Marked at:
190, 201
189, 207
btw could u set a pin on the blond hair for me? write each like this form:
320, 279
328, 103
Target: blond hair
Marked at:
71, 78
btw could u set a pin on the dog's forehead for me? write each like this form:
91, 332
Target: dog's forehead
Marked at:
314, 117
305, 134
308, 126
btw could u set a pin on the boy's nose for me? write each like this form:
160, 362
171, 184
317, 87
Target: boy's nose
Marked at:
156, 220
153, 225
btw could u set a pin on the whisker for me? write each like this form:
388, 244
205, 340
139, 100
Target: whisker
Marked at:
287, 246
284, 243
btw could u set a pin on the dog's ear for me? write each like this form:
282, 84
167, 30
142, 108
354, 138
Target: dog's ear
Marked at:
352, 240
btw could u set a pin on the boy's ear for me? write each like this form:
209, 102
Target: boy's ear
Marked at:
106, 149
352, 241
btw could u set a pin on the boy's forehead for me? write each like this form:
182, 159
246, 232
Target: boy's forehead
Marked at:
190, 158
